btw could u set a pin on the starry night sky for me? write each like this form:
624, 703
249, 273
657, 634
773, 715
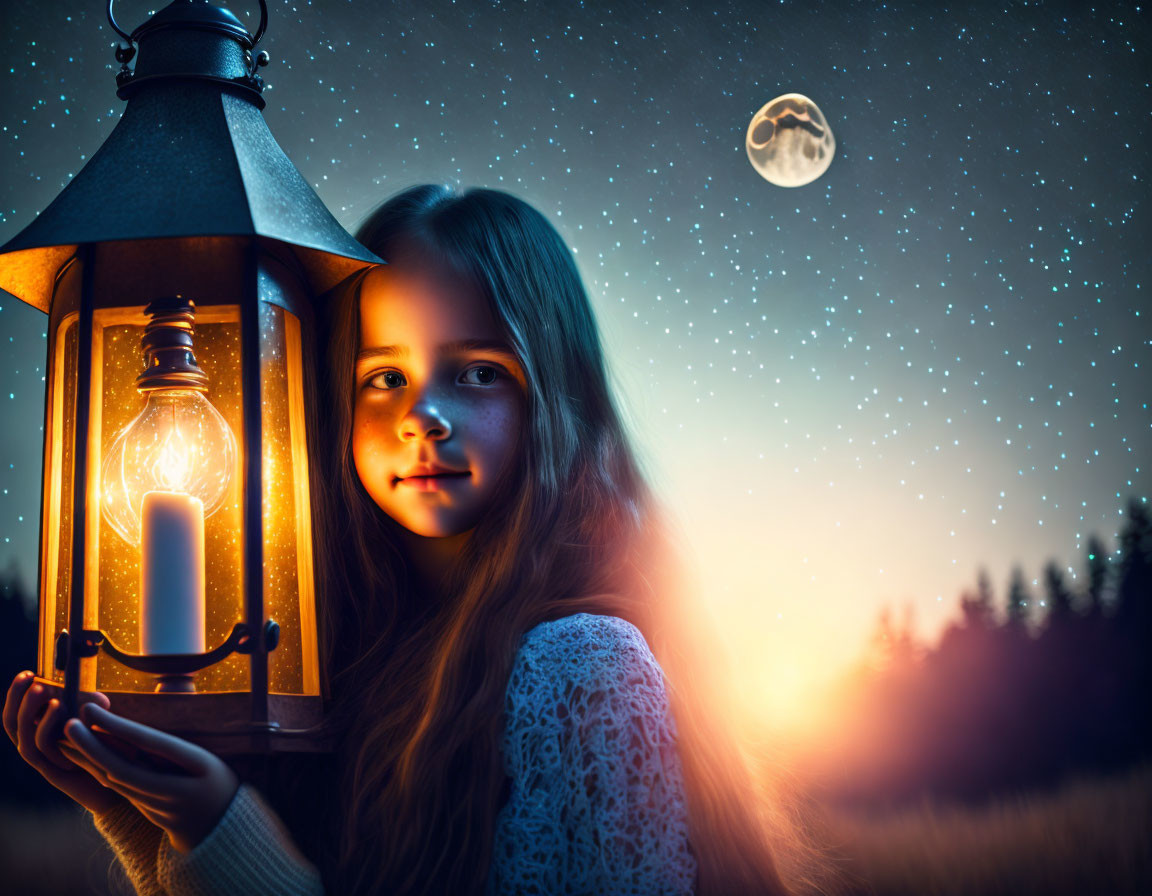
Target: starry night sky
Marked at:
854, 393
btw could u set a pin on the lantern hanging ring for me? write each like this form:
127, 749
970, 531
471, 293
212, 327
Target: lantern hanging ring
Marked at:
263, 23
255, 37
112, 21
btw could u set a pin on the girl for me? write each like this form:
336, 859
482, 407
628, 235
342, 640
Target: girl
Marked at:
500, 608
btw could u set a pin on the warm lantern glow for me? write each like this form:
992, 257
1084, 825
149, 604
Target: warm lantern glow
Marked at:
178, 443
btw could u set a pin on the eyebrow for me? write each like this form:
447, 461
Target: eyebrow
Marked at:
459, 347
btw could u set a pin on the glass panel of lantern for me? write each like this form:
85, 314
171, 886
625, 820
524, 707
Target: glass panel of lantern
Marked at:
179, 439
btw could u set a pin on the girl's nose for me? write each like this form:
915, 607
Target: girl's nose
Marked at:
424, 421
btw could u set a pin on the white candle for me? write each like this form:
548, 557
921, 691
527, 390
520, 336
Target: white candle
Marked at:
171, 573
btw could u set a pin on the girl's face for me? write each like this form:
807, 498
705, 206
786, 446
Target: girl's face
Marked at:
439, 399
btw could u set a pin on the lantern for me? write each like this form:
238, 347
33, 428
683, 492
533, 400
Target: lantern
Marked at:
180, 271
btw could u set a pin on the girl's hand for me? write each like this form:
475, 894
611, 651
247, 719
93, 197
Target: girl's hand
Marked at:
179, 786
34, 720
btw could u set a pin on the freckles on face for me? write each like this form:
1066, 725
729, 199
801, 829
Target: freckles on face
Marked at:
439, 407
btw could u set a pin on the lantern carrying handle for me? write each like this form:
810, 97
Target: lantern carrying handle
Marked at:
112, 21
255, 37
263, 23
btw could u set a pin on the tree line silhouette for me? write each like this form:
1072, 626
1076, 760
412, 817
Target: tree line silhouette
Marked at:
1012, 696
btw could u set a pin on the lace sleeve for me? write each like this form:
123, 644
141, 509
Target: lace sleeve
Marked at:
597, 800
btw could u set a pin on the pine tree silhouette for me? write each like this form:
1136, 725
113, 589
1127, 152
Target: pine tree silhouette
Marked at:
1059, 599
1097, 577
977, 609
1133, 630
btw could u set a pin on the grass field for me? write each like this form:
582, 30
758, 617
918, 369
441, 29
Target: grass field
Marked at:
1089, 838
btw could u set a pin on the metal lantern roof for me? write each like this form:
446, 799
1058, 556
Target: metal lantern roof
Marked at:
192, 156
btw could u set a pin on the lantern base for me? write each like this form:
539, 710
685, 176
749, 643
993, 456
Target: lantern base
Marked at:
222, 721
175, 684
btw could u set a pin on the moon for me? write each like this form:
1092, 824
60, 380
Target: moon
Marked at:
789, 141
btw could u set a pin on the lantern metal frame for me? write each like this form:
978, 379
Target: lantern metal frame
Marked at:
69, 649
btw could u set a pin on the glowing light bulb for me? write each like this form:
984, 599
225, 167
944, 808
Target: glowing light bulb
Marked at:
178, 443
171, 468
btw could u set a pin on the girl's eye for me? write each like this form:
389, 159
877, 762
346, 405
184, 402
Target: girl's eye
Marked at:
480, 376
393, 379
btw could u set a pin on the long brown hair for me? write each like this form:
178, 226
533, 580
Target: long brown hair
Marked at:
418, 688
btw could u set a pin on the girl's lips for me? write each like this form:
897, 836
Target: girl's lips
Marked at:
431, 483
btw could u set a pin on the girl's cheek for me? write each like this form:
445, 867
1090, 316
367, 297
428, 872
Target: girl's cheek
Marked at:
371, 445
495, 413
499, 426
371, 418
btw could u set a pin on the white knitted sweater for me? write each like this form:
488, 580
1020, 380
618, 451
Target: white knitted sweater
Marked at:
596, 802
